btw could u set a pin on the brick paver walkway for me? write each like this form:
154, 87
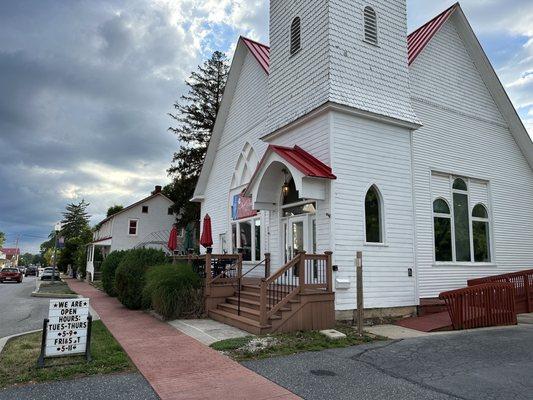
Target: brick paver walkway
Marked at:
176, 365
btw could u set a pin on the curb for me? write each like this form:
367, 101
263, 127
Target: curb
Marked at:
4, 340
55, 295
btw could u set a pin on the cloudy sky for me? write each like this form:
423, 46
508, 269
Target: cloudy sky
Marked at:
86, 86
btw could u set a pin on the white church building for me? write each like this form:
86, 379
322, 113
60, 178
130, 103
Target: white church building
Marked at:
347, 134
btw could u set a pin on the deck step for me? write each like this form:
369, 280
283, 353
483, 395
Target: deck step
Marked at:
250, 303
247, 312
245, 294
239, 321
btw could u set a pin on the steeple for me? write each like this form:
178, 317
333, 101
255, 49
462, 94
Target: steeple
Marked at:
347, 52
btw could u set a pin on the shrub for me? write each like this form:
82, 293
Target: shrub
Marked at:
130, 275
174, 291
109, 267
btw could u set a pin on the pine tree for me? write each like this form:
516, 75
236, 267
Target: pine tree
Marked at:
77, 233
195, 114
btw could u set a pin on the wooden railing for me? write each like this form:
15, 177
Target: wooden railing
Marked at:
217, 269
488, 304
523, 285
304, 272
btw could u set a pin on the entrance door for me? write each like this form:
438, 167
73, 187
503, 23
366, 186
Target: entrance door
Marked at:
298, 235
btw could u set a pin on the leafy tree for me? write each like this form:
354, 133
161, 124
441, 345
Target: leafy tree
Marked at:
114, 209
195, 114
2, 239
26, 259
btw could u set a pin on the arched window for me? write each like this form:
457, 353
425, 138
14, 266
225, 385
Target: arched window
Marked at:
461, 220
442, 225
246, 165
373, 216
371, 25
295, 35
480, 233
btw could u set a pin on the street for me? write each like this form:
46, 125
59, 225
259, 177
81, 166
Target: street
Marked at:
19, 312
481, 364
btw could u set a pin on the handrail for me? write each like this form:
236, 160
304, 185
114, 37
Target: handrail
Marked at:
240, 283
309, 272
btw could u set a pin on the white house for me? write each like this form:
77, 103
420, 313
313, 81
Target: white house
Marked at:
347, 134
138, 224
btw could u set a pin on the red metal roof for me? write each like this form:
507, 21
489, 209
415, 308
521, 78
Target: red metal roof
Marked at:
260, 51
10, 251
303, 161
418, 39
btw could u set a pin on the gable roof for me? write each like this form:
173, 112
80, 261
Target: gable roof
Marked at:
260, 51
306, 163
134, 205
418, 39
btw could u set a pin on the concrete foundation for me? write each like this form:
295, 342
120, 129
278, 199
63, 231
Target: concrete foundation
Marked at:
373, 316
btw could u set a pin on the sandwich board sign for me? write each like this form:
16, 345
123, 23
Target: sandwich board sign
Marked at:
67, 330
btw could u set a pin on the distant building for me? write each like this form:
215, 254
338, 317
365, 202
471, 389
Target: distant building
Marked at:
9, 257
131, 227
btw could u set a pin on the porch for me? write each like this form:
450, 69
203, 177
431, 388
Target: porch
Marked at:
297, 296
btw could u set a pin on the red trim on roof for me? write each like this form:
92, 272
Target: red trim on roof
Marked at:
302, 160
417, 40
260, 51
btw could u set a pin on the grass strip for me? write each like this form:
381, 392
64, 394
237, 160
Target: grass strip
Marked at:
282, 344
18, 360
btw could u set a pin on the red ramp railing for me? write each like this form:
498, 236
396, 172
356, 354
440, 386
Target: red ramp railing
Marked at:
488, 304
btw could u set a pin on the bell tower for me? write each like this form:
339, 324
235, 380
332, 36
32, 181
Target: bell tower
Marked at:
347, 52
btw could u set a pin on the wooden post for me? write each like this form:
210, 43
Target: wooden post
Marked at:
208, 273
239, 263
329, 271
189, 256
528, 295
263, 320
301, 269
360, 305
267, 265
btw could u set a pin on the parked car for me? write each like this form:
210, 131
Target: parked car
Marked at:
40, 271
31, 271
48, 273
10, 275
22, 269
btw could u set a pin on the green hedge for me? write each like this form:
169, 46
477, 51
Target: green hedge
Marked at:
174, 291
130, 275
109, 268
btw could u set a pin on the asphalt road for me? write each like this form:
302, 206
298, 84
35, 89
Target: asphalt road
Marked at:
100, 387
483, 364
19, 312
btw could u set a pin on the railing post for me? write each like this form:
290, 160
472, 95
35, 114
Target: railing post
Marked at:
189, 256
263, 320
239, 262
528, 295
329, 271
301, 270
267, 265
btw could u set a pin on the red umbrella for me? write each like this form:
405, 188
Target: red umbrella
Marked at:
173, 239
207, 237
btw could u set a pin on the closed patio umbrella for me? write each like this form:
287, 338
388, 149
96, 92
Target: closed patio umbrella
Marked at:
173, 239
187, 240
206, 239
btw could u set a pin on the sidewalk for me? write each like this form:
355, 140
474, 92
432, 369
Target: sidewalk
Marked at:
177, 366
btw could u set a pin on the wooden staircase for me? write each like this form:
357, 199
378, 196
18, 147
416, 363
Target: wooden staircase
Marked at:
297, 297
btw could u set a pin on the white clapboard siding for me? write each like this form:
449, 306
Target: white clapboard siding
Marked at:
246, 123
367, 152
465, 134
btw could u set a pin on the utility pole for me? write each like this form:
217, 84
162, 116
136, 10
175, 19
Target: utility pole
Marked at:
17, 251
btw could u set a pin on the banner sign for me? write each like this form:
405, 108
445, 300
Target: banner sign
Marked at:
242, 207
67, 329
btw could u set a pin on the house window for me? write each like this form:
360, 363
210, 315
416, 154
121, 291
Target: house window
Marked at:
295, 35
461, 220
145, 209
442, 221
480, 233
246, 235
371, 26
169, 211
373, 216
132, 227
